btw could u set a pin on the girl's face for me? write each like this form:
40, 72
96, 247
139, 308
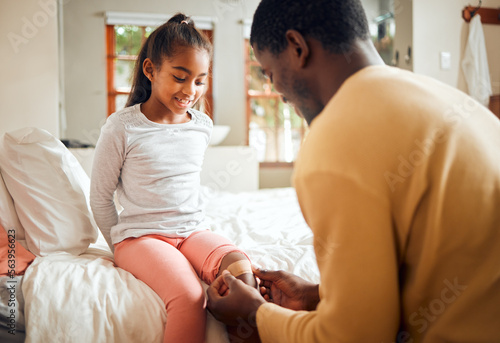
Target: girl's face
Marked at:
179, 82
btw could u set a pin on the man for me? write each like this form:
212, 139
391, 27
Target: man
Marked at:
399, 180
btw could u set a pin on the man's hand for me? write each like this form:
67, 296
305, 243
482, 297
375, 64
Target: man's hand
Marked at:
232, 301
288, 290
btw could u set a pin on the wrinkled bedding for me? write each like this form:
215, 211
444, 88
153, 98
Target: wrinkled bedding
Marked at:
87, 299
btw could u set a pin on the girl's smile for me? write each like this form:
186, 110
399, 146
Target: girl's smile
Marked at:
185, 102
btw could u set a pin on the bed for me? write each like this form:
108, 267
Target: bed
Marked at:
72, 291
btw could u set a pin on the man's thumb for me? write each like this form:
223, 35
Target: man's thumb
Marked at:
265, 274
228, 277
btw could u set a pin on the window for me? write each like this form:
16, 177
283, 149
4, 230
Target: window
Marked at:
274, 129
123, 45
125, 34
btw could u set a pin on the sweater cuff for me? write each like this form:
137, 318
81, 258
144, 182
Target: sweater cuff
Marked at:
264, 314
268, 317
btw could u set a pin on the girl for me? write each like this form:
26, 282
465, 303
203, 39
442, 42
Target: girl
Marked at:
151, 153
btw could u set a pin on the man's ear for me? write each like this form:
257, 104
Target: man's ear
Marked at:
299, 46
147, 68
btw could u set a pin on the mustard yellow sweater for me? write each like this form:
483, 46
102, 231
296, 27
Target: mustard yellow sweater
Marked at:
399, 179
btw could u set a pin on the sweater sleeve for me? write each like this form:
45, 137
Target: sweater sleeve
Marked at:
106, 169
357, 258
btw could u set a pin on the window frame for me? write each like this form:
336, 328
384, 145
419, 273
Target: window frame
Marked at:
143, 20
269, 94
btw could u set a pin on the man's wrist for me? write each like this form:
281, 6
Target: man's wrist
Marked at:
256, 305
313, 297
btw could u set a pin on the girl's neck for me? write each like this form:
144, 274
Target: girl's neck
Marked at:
158, 113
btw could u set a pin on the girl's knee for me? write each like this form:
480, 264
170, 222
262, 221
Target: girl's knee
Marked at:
240, 267
236, 261
196, 297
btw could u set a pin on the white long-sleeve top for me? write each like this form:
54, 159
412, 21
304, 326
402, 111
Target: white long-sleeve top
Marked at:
155, 169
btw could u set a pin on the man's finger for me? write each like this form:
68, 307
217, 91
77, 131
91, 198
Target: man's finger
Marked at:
213, 293
219, 284
223, 290
257, 269
228, 278
267, 275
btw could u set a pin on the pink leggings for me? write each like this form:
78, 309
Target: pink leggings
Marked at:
171, 267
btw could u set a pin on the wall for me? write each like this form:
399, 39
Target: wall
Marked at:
29, 88
85, 70
438, 26
270, 177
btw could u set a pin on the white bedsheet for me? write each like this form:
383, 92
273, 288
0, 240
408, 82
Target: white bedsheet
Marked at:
269, 227
87, 299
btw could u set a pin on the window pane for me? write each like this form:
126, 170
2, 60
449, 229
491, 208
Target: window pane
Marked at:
123, 73
296, 142
285, 134
128, 40
275, 130
148, 30
251, 53
262, 130
299, 130
296, 120
264, 142
120, 101
263, 111
257, 81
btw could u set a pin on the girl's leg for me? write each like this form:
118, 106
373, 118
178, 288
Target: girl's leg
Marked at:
163, 268
210, 254
233, 257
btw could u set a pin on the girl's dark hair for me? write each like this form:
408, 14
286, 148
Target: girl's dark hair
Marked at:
164, 42
335, 23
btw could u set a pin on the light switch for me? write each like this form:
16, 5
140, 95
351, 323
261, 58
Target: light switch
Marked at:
445, 60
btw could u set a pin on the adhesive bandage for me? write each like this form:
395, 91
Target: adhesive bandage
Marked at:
240, 267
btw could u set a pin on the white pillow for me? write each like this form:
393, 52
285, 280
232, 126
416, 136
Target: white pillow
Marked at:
50, 192
8, 215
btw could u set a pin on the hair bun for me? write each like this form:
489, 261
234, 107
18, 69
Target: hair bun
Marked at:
181, 18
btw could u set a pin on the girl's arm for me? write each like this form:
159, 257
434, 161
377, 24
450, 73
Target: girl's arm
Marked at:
106, 169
